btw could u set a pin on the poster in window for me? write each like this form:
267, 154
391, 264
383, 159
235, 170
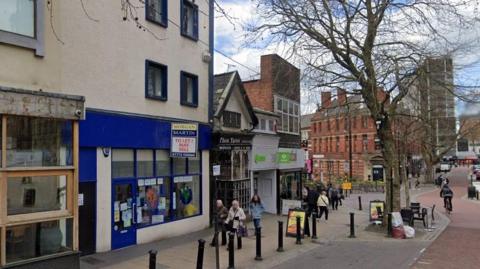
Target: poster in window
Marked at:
151, 197
184, 138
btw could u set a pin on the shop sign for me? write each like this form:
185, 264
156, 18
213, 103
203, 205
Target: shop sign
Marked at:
259, 158
182, 179
347, 185
184, 140
234, 142
286, 157
292, 222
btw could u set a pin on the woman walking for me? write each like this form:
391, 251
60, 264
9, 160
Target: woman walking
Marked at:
235, 219
323, 203
256, 210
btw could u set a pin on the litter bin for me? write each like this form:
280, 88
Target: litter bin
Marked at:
472, 192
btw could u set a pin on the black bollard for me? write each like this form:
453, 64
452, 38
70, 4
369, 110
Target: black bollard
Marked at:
258, 235
280, 236
314, 225
201, 250
306, 228
231, 254
299, 230
360, 203
352, 225
152, 262
477, 195
389, 224
239, 241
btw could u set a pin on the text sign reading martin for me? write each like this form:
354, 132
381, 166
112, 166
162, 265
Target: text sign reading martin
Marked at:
184, 140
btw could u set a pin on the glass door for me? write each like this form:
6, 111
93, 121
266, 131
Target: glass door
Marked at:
123, 213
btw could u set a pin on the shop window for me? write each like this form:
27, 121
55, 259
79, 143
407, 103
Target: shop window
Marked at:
232, 119
144, 163
186, 196
34, 240
162, 160
189, 19
194, 165
157, 11
236, 164
179, 166
36, 194
39, 142
246, 173
156, 81
188, 89
153, 201
122, 163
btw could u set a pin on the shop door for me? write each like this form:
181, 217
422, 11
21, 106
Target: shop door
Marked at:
123, 214
87, 217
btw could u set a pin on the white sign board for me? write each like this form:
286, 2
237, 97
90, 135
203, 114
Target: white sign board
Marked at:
184, 140
80, 199
216, 170
290, 204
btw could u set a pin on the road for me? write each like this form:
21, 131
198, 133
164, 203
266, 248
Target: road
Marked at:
359, 254
458, 246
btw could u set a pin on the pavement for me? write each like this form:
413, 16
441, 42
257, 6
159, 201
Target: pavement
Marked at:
333, 248
458, 246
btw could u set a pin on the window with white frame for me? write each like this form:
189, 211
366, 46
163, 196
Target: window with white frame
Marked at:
266, 125
288, 110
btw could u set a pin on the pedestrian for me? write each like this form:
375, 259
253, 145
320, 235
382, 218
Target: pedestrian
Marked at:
447, 194
334, 198
256, 210
340, 194
311, 200
236, 217
323, 203
221, 214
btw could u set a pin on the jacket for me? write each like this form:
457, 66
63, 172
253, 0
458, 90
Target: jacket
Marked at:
446, 191
222, 214
232, 214
312, 197
256, 210
323, 200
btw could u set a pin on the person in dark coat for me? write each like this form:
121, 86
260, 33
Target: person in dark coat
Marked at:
311, 200
221, 214
447, 194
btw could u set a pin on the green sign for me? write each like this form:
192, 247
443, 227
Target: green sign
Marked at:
284, 157
260, 158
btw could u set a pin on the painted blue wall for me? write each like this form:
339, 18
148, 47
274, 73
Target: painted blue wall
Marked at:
87, 164
102, 129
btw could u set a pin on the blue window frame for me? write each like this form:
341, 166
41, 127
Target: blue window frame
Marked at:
156, 11
188, 89
156, 81
189, 19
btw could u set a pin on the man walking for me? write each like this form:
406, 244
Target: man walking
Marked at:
323, 203
221, 213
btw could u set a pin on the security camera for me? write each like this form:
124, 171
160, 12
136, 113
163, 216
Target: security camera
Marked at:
78, 113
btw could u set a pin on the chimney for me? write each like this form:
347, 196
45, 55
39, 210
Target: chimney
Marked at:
342, 97
326, 99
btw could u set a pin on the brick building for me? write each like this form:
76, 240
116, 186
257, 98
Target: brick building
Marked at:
278, 91
331, 128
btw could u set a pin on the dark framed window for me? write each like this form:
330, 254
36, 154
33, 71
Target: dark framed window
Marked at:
188, 89
156, 11
156, 81
189, 19
233, 119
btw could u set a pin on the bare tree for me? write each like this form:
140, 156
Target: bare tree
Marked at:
366, 46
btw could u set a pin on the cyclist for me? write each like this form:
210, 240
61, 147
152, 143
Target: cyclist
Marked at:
446, 193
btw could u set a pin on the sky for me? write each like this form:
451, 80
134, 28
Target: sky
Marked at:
230, 40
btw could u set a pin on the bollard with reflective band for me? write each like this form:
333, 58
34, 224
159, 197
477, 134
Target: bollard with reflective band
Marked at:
201, 250
352, 225
314, 225
258, 235
360, 203
152, 261
231, 254
280, 236
299, 230
389, 224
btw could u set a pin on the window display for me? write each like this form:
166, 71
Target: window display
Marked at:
153, 201
187, 196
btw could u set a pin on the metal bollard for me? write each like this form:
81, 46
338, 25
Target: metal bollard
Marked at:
306, 228
314, 225
231, 254
352, 225
360, 203
280, 236
389, 224
258, 234
152, 261
239, 241
477, 195
299, 230
201, 250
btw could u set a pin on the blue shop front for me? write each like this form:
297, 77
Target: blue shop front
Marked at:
141, 179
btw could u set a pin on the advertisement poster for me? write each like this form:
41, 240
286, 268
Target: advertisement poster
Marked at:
184, 140
292, 222
347, 185
376, 210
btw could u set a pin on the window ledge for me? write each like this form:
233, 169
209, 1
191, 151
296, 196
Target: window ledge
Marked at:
45, 168
156, 98
193, 38
163, 24
189, 104
28, 218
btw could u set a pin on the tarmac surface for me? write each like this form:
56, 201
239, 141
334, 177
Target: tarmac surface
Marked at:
459, 245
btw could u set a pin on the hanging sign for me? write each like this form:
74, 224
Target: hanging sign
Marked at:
184, 140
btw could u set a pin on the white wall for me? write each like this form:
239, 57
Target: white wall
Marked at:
266, 145
235, 104
104, 202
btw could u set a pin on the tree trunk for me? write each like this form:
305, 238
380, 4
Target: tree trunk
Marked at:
405, 180
429, 172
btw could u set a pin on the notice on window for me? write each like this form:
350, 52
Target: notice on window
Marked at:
184, 140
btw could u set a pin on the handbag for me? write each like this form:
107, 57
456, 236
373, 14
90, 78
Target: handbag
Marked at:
242, 230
